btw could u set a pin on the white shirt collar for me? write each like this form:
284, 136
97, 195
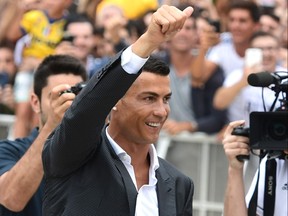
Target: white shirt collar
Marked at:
154, 162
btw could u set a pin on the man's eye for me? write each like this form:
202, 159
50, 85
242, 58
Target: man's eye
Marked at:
166, 100
149, 98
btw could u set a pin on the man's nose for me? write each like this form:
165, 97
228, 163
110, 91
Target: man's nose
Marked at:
161, 109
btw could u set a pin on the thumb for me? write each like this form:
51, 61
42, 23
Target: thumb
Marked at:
188, 11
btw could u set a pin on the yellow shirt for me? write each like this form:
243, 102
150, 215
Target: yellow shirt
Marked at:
132, 8
45, 34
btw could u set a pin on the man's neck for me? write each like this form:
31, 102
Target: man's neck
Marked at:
240, 48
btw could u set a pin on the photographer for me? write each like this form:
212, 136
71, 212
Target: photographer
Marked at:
271, 202
21, 169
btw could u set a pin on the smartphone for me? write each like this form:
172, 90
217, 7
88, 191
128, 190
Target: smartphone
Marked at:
253, 56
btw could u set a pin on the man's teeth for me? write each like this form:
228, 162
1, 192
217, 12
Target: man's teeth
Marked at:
154, 124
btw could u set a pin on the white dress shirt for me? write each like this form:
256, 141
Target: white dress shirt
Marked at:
147, 202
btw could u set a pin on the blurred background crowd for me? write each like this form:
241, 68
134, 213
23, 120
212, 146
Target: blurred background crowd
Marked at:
211, 45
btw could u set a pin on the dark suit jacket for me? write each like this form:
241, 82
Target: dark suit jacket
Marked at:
84, 176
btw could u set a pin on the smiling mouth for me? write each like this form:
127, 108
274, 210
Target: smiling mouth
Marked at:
153, 124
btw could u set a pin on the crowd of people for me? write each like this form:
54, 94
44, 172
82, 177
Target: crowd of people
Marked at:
48, 46
197, 55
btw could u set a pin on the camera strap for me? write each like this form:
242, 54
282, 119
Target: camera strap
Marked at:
252, 207
269, 191
270, 187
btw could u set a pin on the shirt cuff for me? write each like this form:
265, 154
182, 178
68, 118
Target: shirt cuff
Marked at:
131, 62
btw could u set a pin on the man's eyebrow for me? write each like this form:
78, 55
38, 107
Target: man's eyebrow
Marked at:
169, 95
155, 94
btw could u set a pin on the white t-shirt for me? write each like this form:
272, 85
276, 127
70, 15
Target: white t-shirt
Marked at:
249, 98
225, 55
281, 198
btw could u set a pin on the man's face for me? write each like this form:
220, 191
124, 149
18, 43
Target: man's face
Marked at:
270, 49
108, 13
83, 41
7, 61
56, 6
143, 110
53, 81
241, 25
186, 38
267, 24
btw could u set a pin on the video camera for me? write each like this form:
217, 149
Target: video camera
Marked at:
268, 130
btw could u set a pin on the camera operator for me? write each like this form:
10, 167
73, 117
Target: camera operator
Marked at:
271, 195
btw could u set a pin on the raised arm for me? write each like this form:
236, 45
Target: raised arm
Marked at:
17, 10
201, 68
165, 23
225, 95
79, 134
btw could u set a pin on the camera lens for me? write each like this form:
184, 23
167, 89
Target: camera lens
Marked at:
277, 130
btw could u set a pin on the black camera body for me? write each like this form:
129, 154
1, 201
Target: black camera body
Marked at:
75, 89
267, 130
241, 131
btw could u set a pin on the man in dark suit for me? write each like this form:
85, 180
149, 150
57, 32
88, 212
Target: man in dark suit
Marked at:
117, 171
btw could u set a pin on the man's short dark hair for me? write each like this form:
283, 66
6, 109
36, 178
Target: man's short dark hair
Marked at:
250, 6
272, 16
258, 34
54, 65
77, 18
7, 45
156, 66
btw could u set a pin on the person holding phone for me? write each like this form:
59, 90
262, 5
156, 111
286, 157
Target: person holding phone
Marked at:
236, 95
242, 22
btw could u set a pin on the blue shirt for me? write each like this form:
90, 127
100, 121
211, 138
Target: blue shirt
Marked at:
10, 154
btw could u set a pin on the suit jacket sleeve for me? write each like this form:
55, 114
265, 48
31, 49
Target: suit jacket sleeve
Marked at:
76, 139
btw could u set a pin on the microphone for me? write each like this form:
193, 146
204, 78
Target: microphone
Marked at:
264, 79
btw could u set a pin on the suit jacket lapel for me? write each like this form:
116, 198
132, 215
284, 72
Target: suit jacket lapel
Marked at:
127, 181
129, 185
165, 193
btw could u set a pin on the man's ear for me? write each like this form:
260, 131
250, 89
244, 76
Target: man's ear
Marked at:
35, 103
